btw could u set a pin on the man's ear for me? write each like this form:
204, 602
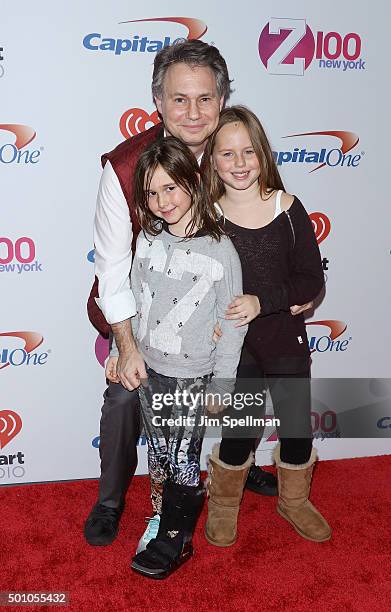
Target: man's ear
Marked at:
158, 104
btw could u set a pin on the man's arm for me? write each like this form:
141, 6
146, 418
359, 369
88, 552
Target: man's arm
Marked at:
130, 367
113, 249
113, 260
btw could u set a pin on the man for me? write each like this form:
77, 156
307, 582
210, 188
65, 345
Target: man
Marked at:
190, 86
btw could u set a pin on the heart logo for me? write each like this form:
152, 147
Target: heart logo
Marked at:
10, 426
321, 224
137, 120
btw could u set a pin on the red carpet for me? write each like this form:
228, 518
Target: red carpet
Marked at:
270, 568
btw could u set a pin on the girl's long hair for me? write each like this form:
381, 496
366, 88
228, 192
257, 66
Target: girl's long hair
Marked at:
269, 178
182, 167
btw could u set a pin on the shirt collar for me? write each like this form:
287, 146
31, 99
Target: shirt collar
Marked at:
199, 158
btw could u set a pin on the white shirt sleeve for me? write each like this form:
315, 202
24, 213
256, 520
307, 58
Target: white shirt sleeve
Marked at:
113, 249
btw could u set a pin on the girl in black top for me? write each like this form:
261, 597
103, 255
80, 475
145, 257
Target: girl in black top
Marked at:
281, 268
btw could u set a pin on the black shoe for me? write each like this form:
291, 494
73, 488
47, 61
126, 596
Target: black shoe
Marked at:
173, 544
262, 482
101, 527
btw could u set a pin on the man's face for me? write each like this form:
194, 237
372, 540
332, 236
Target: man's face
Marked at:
190, 105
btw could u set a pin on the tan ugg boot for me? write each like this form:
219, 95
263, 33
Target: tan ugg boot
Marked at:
225, 489
294, 482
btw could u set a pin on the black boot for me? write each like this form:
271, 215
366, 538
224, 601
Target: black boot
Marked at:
260, 481
173, 544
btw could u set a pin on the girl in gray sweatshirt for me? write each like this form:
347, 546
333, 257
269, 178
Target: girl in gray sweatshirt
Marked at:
184, 275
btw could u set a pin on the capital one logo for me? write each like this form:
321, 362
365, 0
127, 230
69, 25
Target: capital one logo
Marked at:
18, 255
325, 336
288, 47
137, 120
10, 426
14, 150
309, 154
138, 43
18, 348
321, 224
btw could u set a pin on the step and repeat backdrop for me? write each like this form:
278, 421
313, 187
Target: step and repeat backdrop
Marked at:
74, 82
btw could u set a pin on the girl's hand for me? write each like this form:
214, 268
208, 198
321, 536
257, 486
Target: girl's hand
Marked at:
217, 333
213, 406
111, 370
244, 307
295, 310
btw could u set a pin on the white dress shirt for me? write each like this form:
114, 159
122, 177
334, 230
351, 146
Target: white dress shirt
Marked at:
113, 249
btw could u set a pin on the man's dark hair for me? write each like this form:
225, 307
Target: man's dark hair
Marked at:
192, 53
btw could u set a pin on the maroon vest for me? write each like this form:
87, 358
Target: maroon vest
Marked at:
123, 160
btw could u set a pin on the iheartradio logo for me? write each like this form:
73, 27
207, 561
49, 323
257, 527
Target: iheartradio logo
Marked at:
321, 224
137, 120
10, 426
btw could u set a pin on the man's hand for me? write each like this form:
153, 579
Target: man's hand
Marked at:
131, 369
245, 308
111, 370
295, 310
130, 365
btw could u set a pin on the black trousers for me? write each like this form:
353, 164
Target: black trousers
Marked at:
119, 434
291, 398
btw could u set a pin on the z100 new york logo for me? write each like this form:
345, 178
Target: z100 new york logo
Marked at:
18, 255
288, 47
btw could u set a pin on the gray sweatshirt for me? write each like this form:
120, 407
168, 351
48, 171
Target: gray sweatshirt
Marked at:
182, 288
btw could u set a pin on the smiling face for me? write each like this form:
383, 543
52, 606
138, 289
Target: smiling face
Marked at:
168, 201
234, 158
190, 105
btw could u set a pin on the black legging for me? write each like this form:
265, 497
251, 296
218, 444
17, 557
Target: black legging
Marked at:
291, 398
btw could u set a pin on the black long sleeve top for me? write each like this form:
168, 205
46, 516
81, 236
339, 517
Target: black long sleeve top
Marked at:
281, 265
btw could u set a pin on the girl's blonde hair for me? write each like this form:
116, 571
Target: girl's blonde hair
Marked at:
269, 178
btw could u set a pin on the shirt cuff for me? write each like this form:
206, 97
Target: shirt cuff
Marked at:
117, 307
